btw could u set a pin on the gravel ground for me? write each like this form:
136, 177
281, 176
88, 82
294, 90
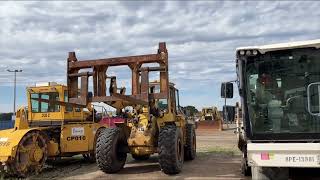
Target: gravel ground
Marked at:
217, 158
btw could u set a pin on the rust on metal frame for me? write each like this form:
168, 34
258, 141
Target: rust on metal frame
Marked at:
139, 84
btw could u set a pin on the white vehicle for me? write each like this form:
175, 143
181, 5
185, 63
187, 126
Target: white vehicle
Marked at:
279, 86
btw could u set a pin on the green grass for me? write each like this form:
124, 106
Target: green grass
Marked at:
220, 151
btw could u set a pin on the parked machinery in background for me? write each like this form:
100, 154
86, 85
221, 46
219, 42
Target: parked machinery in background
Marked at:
210, 119
207, 114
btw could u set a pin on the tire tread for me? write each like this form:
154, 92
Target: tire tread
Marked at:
104, 151
167, 152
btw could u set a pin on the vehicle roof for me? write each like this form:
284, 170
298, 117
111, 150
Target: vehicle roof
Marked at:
44, 86
282, 46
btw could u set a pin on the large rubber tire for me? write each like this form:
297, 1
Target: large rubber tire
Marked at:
171, 150
109, 157
91, 156
140, 158
269, 173
245, 169
191, 143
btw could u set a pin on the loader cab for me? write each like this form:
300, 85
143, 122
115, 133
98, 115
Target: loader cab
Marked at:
170, 105
43, 108
174, 99
207, 114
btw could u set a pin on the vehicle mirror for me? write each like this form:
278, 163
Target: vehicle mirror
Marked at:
227, 90
313, 94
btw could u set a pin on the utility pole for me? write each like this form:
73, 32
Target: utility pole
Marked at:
225, 106
14, 88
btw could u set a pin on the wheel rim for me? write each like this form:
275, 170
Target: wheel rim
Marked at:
31, 154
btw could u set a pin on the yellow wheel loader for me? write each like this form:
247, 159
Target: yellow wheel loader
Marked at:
156, 123
210, 120
48, 128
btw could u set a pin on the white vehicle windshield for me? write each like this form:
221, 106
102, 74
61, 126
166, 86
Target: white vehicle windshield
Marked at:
276, 85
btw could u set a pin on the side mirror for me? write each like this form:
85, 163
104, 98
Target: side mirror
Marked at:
227, 90
313, 94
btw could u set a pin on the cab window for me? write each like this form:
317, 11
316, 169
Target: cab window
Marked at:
42, 107
68, 106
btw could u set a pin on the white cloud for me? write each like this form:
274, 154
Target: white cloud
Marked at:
201, 36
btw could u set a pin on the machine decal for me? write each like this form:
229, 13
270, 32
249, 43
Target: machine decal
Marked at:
76, 138
46, 115
2, 139
77, 131
267, 156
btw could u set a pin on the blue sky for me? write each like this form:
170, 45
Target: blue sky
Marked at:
201, 39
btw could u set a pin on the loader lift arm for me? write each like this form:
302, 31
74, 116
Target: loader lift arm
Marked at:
98, 70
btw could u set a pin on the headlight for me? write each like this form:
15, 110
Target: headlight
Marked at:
254, 52
248, 53
242, 52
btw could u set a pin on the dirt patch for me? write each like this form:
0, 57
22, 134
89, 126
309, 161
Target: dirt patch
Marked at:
217, 158
206, 166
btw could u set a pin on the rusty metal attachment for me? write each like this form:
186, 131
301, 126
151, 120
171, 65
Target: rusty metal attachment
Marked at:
98, 69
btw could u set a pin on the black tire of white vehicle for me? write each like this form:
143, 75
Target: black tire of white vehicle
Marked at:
109, 157
191, 143
171, 150
245, 169
269, 173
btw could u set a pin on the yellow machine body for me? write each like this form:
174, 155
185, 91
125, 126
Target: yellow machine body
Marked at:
67, 130
207, 113
142, 140
78, 137
51, 113
9, 140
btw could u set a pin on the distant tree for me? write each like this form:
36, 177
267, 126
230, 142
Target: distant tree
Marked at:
191, 110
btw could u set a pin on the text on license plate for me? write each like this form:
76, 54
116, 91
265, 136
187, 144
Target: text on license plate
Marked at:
299, 159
